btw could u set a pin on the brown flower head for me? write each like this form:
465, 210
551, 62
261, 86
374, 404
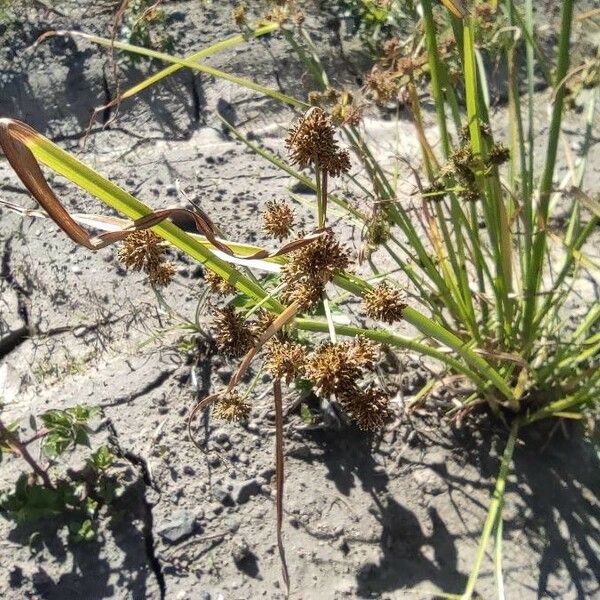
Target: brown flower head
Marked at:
378, 229
329, 370
485, 14
463, 162
337, 163
312, 140
231, 407
435, 192
385, 303
362, 352
233, 336
278, 219
284, 358
382, 86
311, 267
261, 322
306, 292
470, 193
217, 284
315, 98
337, 368
391, 47
352, 115
162, 274
499, 154
332, 94
369, 409
144, 251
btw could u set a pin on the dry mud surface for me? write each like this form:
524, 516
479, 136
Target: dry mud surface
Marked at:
396, 515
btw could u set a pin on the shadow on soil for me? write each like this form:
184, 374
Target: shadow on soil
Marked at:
90, 575
555, 492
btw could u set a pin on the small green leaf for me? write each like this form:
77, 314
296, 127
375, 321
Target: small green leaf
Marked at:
82, 532
306, 414
102, 459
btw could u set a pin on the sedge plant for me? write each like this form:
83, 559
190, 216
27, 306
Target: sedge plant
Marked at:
475, 244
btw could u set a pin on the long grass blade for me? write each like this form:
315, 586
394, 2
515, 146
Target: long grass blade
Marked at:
26, 146
494, 510
190, 64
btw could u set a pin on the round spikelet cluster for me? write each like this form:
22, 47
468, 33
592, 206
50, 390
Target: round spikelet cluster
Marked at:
144, 251
278, 219
217, 284
382, 86
311, 267
231, 407
312, 141
336, 370
232, 335
385, 303
369, 409
285, 358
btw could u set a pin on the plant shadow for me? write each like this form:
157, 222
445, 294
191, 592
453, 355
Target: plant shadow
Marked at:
552, 498
349, 456
103, 567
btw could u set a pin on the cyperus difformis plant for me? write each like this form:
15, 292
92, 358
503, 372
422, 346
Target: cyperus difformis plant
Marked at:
473, 246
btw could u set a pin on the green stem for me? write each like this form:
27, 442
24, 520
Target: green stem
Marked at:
534, 276
494, 510
385, 337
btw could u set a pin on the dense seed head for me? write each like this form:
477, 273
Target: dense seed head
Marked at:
369, 408
285, 358
217, 284
362, 352
499, 154
435, 191
311, 267
312, 140
232, 335
231, 407
144, 251
261, 322
382, 86
278, 219
329, 370
378, 229
385, 303
335, 369
162, 274
240, 13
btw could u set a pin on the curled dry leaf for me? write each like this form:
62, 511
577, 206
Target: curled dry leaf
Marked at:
14, 138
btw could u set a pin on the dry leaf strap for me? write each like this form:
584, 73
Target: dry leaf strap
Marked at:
13, 140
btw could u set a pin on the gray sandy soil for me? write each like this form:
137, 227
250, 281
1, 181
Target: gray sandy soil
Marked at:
396, 515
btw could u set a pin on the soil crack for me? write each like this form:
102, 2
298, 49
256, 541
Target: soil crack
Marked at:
150, 386
141, 465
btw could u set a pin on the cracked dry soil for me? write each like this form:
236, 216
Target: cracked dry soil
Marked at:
366, 516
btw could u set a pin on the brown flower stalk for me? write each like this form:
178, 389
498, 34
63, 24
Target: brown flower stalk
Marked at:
312, 142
